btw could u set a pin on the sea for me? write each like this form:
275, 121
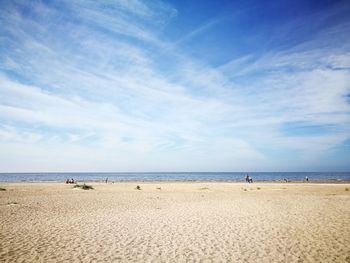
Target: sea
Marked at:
177, 176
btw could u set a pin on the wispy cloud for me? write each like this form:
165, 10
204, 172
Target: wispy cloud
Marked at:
87, 85
197, 31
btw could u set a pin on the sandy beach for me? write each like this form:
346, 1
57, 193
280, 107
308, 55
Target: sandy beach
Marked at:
175, 222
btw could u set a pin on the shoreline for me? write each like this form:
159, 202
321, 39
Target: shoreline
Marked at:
182, 181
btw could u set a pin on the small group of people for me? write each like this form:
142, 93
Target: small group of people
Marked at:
248, 179
70, 181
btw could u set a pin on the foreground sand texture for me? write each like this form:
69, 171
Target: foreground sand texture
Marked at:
181, 222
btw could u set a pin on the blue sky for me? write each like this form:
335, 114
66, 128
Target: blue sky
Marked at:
131, 85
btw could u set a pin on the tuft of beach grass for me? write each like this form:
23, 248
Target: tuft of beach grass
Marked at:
83, 186
2, 189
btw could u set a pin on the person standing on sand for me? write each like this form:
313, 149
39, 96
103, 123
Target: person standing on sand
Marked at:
306, 178
248, 179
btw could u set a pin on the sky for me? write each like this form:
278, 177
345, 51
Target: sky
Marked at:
131, 85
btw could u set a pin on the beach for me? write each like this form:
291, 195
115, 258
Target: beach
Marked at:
175, 222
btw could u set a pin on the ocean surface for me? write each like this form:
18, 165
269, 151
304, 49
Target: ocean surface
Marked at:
175, 176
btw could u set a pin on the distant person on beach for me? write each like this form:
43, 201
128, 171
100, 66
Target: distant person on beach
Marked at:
70, 181
248, 179
306, 178
106, 180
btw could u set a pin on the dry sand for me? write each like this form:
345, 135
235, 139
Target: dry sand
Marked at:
182, 222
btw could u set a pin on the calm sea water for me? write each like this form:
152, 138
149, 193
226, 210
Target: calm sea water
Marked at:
199, 176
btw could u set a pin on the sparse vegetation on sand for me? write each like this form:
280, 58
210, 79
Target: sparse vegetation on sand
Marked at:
204, 188
2, 189
83, 186
258, 188
159, 188
138, 187
347, 189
